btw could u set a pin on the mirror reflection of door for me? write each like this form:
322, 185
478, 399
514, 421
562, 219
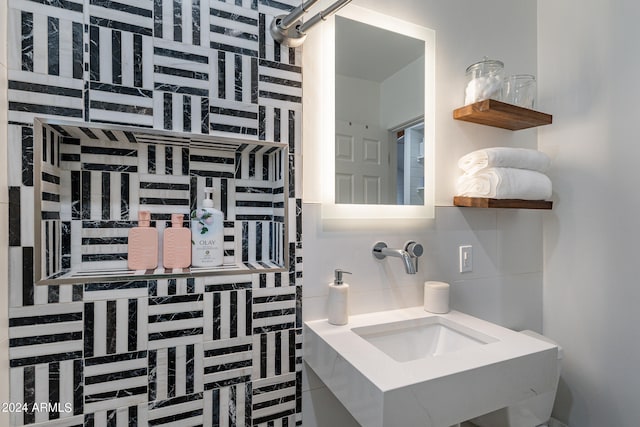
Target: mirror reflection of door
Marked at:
379, 92
410, 164
363, 164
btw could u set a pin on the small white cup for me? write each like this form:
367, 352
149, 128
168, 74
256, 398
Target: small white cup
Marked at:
436, 297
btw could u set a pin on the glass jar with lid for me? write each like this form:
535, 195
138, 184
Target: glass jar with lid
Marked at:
484, 81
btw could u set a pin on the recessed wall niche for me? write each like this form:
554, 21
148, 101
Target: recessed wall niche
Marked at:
91, 180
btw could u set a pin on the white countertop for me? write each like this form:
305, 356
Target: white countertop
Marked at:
512, 366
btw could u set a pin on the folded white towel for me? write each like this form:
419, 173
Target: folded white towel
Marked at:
504, 157
505, 183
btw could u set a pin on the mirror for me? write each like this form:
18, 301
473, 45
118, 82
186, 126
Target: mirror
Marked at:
379, 97
378, 117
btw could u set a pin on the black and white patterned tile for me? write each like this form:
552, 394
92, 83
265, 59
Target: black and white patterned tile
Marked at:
175, 371
175, 320
228, 405
274, 400
163, 195
279, 84
183, 21
29, 345
181, 87
232, 118
46, 60
115, 381
227, 312
113, 326
56, 382
274, 309
227, 362
177, 286
127, 416
182, 410
120, 54
275, 353
104, 244
220, 350
234, 29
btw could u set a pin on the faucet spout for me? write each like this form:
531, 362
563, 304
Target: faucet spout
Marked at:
406, 258
381, 251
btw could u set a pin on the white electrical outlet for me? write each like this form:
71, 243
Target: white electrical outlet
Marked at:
466, 259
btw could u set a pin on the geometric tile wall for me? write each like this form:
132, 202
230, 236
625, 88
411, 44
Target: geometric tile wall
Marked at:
92, 181
210, 351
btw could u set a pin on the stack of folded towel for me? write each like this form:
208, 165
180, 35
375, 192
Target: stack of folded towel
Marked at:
505, 173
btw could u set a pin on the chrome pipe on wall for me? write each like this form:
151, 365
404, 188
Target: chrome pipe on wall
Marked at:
322, 16
295, 14
288, 30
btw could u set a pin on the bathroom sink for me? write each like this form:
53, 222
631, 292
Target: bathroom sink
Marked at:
413, 368
423, 337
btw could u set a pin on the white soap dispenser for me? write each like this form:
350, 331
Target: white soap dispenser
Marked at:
207, 234
338, 299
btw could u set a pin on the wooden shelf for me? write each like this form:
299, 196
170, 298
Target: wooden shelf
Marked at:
481, 202
502, 115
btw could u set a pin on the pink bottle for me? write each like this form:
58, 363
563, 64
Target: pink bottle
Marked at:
143, 244
176, 252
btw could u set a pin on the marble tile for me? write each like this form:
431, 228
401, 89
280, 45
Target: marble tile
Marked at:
274, 309
30, 345
185, 22
59, 382
228, 310
130, 350
274, 353
115, 381
228, 404
43, 95
114, 326
234, 29
230, 117
4, 315
281, 389
227, 362
175, 320
4, 129
175, 372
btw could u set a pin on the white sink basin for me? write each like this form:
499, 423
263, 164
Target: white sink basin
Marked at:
412, 368
419, 338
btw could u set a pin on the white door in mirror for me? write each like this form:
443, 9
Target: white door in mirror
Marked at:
362, 164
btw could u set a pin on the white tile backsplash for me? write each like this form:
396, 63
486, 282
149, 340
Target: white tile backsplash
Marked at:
487, 292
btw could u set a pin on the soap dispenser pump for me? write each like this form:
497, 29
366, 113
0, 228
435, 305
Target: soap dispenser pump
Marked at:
339, 299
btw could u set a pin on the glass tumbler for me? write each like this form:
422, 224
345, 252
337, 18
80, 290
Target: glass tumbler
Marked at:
520, 90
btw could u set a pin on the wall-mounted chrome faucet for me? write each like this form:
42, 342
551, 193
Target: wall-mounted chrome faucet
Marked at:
409, 254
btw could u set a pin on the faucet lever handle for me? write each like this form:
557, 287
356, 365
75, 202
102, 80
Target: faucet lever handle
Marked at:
414, 249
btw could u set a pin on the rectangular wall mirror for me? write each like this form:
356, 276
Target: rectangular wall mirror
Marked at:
379, 134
